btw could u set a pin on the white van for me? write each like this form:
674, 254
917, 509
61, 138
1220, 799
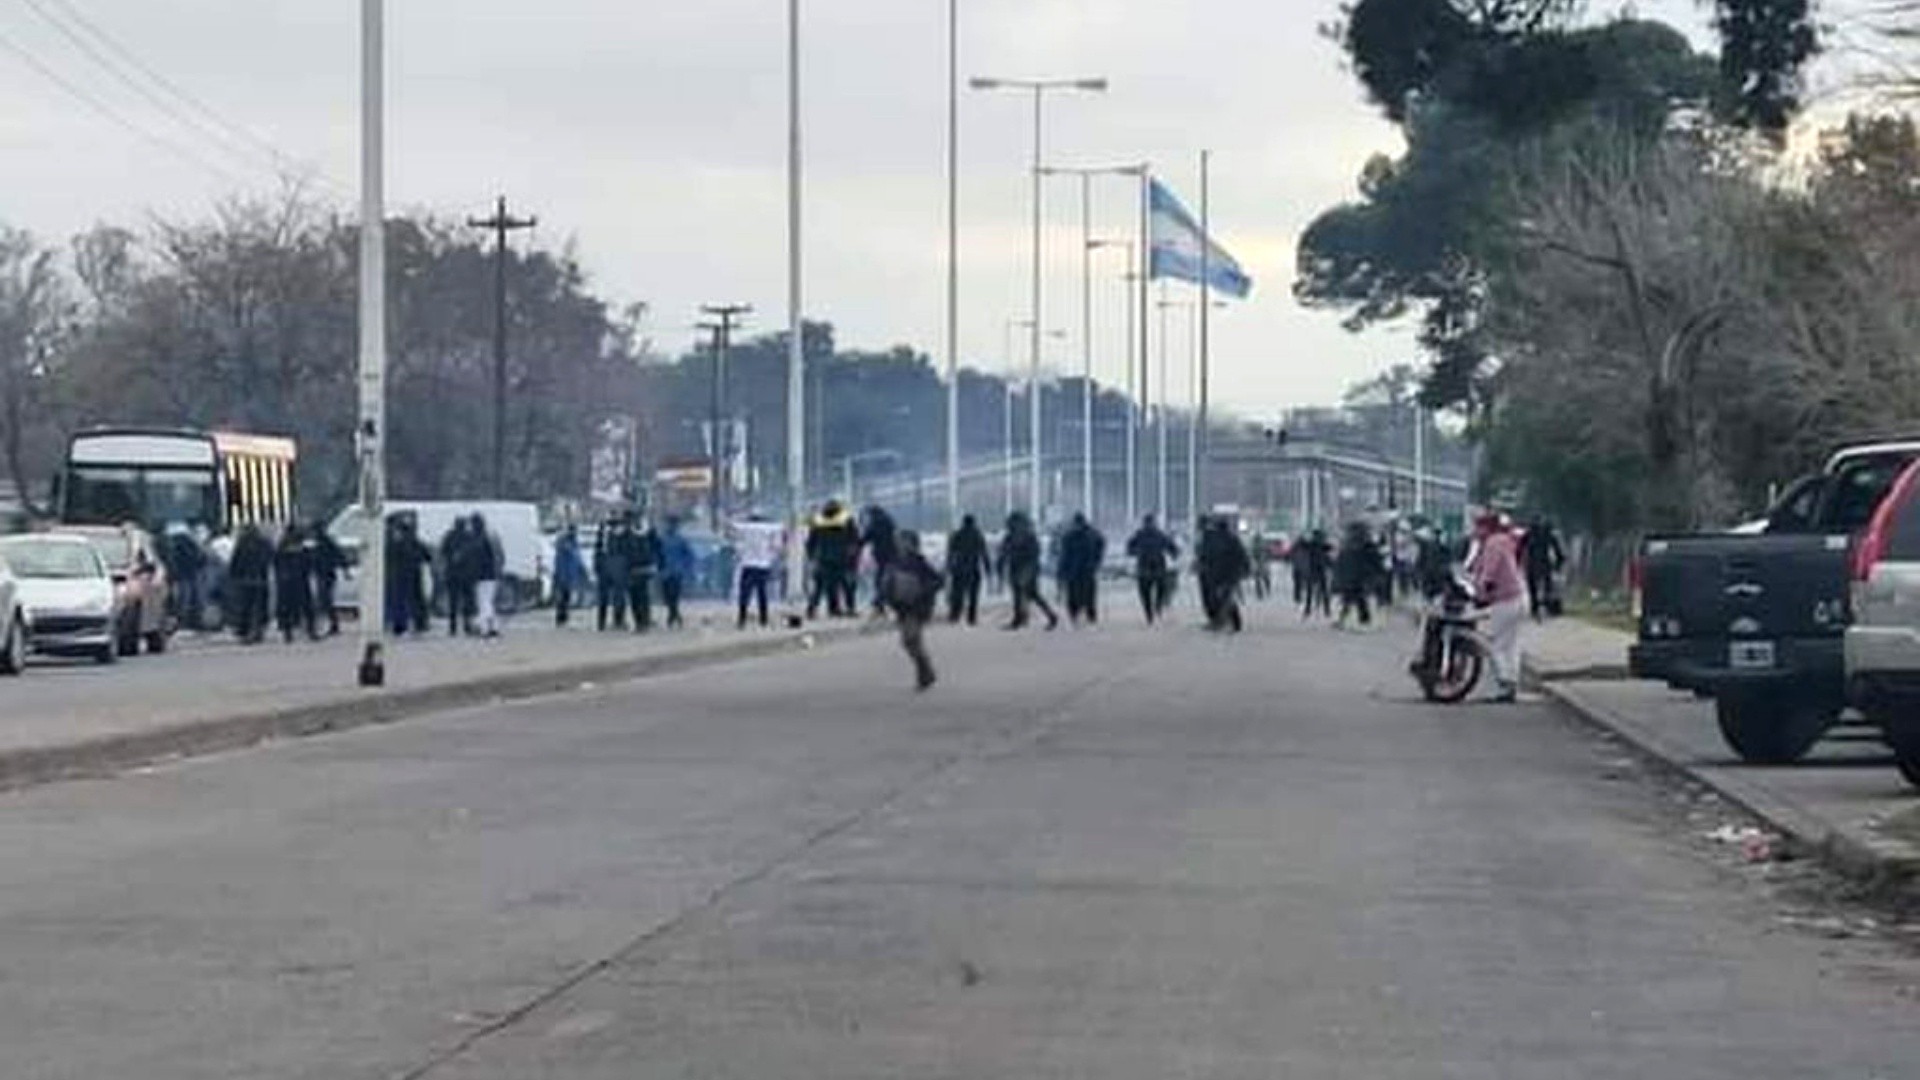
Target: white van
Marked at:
525, 550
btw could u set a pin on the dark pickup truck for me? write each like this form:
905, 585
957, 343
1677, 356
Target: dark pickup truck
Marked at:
1757, 619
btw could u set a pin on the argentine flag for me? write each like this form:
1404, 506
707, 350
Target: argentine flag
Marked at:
1177, 245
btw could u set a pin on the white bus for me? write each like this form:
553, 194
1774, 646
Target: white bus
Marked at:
160, 476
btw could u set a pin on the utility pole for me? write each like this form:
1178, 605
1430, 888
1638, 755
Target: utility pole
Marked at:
500, 224
371, 433
720, 428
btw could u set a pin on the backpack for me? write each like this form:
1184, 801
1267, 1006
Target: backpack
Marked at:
903, 588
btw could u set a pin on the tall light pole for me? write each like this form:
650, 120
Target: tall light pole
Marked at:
1087, 248
1008, 383
796, 346
1038, 88
371, 431
1132, 509
953, 260
1162, 503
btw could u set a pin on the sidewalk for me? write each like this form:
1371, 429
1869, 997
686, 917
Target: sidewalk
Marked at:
1845, 801
69, 718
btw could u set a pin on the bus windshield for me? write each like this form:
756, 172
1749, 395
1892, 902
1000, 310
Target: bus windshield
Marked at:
152, 497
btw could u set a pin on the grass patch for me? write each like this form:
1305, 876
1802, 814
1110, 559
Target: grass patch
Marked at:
1609, 609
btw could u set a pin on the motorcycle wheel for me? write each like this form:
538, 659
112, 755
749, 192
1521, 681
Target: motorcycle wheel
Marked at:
1459, 673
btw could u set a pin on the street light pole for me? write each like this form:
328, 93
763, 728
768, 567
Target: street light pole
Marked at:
1086, 345
953, 260
796, 344
1039, 88
372, 431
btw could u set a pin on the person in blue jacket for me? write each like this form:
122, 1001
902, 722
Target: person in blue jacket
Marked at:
569, 574
677, 565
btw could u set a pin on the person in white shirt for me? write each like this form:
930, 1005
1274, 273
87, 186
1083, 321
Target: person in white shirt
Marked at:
760, 544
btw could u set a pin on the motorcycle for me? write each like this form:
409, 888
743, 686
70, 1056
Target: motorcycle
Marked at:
1453, 653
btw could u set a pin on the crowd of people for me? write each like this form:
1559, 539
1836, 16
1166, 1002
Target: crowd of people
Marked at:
629, 565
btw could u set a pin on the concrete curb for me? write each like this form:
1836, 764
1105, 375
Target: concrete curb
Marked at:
105, 756
1885, 866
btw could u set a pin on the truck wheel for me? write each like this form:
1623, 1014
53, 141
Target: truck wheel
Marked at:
1771, 732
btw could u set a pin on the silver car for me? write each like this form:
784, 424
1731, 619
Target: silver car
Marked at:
66, 594
13, 623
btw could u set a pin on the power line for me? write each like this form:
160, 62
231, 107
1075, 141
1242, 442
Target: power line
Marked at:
172, 109
107, 111
239, 131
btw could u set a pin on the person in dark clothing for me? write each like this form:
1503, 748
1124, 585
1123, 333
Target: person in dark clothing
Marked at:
1317, 558
407, 560
1020, 566
1153, 552
247, 576
325, 560
1354, 570
1082, 549
1221, 564
676, 568
911, 587
881, 538
1433, 565
569, 574
292, 591
833, 546
610, 575
186, 565
640, 554
456, 575
968, 564
1299, 558
1542, 558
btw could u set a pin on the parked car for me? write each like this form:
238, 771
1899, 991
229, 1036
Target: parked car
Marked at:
66, 594
140, 577
1883, 642
1758, 622
13, 623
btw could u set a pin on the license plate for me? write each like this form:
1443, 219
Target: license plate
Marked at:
1750, 655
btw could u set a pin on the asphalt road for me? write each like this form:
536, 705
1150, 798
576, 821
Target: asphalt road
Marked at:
1122, 853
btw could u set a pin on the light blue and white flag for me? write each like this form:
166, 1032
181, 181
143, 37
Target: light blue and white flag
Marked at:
1178, 243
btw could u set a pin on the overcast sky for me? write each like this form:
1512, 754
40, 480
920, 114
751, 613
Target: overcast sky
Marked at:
652, 133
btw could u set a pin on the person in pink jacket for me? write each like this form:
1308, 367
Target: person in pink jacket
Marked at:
1500, 585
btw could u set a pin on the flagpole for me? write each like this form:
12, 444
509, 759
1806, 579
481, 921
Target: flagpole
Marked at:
1203, 447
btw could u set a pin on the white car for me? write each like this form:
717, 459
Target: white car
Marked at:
13, 623
66, 593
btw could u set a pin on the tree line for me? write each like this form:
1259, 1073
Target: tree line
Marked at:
1652, 294
245, 319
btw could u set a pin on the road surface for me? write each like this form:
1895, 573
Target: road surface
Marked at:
1122, 853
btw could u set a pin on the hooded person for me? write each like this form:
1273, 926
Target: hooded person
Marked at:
1153, 553
1221, 563
1020, 567
1500, 585
569, 573
292, 591
881, 539
968, 563
1354, 572
910, 587
1082, 549
833, 545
